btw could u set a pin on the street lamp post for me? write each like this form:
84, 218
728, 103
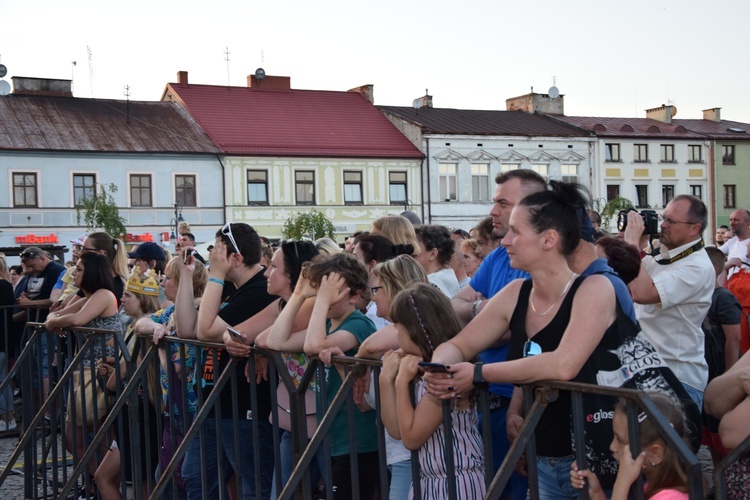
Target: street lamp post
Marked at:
175, 222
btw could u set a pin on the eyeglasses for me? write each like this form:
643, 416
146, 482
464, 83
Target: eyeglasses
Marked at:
227, 231
671, 221
374, 289
531, 348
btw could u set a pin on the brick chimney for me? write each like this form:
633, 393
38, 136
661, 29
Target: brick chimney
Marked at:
537, 103
426, 100
366, 90
712, 114
182, 77
663, 113
23, 85
270, 82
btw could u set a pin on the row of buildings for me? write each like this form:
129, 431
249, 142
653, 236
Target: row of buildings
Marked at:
260, 153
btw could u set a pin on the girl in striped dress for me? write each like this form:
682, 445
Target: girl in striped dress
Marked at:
424, 318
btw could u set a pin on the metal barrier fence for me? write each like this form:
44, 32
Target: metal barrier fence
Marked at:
69, 360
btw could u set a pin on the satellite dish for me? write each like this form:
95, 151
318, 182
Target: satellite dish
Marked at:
416, 103
553, 92
4, 87
260, 74
3, 70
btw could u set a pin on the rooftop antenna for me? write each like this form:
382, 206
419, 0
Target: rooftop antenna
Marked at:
4, 86
553, 91
91, 70
226, 58
72, 74
127, 102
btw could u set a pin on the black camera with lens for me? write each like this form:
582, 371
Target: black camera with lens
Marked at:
650, 220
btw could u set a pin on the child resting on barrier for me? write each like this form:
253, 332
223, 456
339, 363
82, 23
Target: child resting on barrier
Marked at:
424, 319
338, 282
666, 478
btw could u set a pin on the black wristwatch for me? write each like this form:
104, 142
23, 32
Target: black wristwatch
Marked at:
479, 381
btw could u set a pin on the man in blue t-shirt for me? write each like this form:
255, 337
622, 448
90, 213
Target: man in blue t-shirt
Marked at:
494, 273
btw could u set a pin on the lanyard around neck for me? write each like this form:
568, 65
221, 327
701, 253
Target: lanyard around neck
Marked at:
699, 245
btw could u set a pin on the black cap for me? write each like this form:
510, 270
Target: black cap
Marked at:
148, 251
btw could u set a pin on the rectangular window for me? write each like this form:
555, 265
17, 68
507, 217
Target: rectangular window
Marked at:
695, 153
507, 167
727, 157
353, 188
541, 169
612, 152
480, 182
24, 190
667, 193
304, 185
257, 187
569, 173
397, 187
613, 191
640, 152
696, 190
140, 190
447, 178
84, 187
641, 192
730, 192
184, 190
667, 153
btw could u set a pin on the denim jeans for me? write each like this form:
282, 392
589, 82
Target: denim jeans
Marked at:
518, 485
400, 480
554, 478
286, 451
225, 451
695, 394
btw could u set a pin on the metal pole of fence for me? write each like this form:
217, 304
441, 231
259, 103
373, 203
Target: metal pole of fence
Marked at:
382, 463
450, 466
353, 458
525, 442
634, 441
485, 413
576, 403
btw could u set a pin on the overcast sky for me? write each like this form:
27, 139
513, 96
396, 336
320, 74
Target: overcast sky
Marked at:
609, 58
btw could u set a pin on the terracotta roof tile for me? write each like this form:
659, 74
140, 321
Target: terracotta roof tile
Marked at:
315, 123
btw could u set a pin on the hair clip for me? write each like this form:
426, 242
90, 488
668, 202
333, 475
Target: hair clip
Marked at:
641, 417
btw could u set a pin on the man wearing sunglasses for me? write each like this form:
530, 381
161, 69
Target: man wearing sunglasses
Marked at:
674, 288
235, 258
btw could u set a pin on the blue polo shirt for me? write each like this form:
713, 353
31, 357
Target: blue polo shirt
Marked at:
491, 277
600, 266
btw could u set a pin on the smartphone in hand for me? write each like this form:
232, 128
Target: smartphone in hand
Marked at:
235, 334
433, 367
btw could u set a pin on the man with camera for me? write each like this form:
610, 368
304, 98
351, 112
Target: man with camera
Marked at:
674, 288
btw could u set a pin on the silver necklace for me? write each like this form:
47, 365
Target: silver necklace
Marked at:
531, 298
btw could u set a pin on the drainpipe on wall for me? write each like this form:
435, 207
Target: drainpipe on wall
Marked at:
224, 187
429, 198
712, 186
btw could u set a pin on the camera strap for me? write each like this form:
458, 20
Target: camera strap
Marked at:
699, 245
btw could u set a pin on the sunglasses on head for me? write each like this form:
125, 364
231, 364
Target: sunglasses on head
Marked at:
227, 231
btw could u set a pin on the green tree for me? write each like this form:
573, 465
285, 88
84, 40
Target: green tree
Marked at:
100, 212
611, 209
312, 224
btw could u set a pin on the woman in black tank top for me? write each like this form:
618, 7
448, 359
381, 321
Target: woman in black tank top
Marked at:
557, 320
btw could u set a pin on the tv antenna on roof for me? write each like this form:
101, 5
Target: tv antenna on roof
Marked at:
226, 58
553, 91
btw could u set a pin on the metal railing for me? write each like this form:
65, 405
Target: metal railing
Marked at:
40, 438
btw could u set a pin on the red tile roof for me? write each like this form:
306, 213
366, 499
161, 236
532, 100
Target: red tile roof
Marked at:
721, 130
72, 124
483, 122
308, 123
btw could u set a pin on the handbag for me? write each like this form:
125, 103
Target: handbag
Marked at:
89, 387
626, 358
285, 413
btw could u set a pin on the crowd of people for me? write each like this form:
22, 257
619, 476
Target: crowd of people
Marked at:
536, 291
